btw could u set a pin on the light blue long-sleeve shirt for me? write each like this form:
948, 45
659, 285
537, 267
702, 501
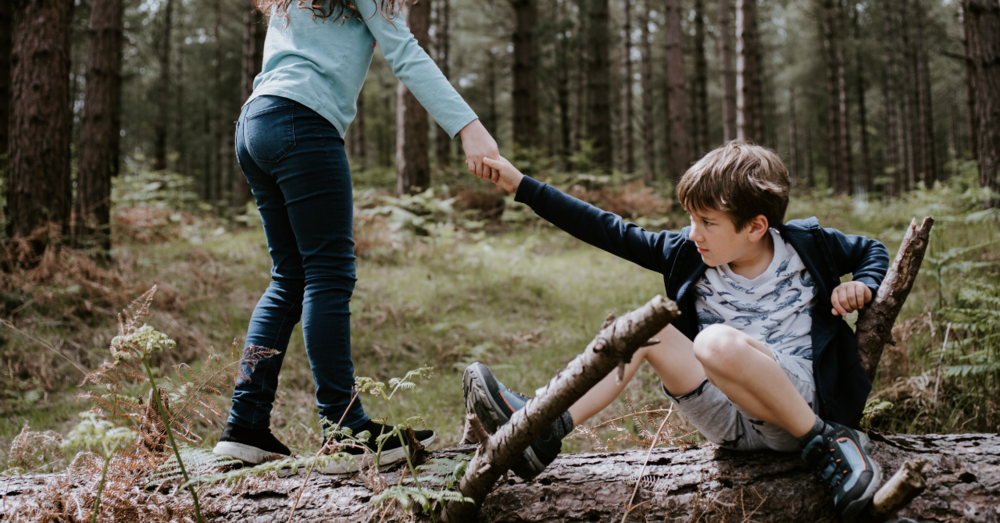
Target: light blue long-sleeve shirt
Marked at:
323, 65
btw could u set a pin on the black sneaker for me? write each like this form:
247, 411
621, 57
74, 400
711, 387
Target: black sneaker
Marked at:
392, 449
254, 446
839, 458
494, 404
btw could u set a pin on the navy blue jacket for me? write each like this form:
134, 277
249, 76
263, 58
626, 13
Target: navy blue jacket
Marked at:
828, 254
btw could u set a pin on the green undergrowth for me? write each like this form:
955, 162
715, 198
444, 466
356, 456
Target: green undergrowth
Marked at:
442, 282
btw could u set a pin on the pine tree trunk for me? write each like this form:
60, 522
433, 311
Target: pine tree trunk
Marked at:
648, 120
254, 32
523, 98
749, 98
5, 26
183, 164
728, 79
99, 133
357, 144
598, 87
491, 94
677, 115
982, 29
218, 176
970, 85
889, 106
700, 80
912, 112
562, 96
793, 149
929, 159
831, 45
160, 125
627, 145
38, 175
810, 174
846, 182
442, 142
866, 168
413, 173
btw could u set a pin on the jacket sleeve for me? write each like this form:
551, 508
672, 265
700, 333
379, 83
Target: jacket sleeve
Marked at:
411, 64
865, 258
601, 229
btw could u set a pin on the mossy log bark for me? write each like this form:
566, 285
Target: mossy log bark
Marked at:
699, 484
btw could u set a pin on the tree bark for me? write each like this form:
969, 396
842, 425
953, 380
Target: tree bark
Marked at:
442, 142
793, 142
703, 483
677, 108
254, 32
160, 125
627, 142
99, 133
598, 73
728, 79
700, 81
648, 120
866, 168
831, 45
889, 106
970, 85
357, 145
524, 108
911, 99
413, 173
38, 175
218, 174
810, 174
982, 29
5, 26
928, 160
183, 164
562, 97
749, 98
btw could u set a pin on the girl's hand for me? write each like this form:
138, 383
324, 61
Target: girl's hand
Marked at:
849, 297
508, 177
478, 144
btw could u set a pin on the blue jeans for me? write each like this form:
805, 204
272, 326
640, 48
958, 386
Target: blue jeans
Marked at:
295, 163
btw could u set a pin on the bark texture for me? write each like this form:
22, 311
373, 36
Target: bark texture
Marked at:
728, 79
680, 156
833, 58
695, 484
749, 95
38, 175
700, 82
442, 142
524, 107
889, 106
99, 133
793, 144
970, 86
160, 124
628, 148
648, 143
413, 173
598, 86
982, 30
5, 21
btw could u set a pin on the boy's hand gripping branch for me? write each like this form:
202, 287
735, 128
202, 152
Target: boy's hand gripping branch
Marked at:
616, 342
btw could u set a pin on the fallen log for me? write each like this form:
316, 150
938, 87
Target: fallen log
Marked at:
695, 484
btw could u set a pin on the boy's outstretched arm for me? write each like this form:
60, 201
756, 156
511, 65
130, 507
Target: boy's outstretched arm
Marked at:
601, 229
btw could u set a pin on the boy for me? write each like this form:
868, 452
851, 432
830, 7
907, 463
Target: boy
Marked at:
756, 357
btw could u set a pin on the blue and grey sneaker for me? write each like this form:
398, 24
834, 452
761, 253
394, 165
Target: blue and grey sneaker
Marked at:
494, 404
839, 458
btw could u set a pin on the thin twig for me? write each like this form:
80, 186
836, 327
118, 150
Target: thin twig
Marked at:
629, 508
44, 343
944, 347
313, 464
629, 415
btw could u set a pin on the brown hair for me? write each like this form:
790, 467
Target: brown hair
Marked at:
740, 179
324, 9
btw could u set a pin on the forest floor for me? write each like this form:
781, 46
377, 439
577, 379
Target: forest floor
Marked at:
442, 287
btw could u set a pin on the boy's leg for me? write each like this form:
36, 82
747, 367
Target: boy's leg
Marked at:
673, 360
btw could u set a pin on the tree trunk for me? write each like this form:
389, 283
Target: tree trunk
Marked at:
728, 79
218, 174
889, 106
793, 149
38, 176
926, 162
982, 29
700, 80
598, 73
99, 133
648, 120
254, 32
413, 173
160, 125
5, 26
846, 182
831, 45
356, 145
627, 142
810, 174
749, 98
970, 85
183, 164
677, 108
866, 169
562, 96
491, 94
911, 99
523, 98
442, 142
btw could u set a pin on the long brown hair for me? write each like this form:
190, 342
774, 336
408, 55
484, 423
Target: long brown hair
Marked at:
338, 10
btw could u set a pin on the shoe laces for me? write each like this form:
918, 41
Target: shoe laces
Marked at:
830, 467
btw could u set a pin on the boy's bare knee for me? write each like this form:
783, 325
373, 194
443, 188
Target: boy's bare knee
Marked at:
718, 347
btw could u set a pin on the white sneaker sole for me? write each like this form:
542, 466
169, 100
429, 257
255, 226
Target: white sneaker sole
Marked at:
346, 464
245, 453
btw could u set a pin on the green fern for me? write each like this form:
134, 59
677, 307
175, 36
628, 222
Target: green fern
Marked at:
427, 499
197, 461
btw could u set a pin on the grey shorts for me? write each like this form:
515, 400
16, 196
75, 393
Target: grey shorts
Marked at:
721, 421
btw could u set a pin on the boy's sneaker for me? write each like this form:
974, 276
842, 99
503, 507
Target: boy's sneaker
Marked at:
392, 449
254, 446
494, 404
839, 458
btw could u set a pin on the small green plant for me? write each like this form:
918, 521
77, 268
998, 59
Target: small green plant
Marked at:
96, 433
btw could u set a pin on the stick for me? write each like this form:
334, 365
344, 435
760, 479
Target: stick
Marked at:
905, 485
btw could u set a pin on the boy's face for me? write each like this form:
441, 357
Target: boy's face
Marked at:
718, 240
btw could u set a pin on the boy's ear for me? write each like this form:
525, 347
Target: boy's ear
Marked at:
757, 227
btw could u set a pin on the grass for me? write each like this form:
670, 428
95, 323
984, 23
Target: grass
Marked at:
524, 299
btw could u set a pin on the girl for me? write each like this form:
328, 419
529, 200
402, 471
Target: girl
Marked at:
290, 147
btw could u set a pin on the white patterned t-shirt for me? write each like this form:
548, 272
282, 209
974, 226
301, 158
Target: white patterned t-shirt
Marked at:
775, 307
